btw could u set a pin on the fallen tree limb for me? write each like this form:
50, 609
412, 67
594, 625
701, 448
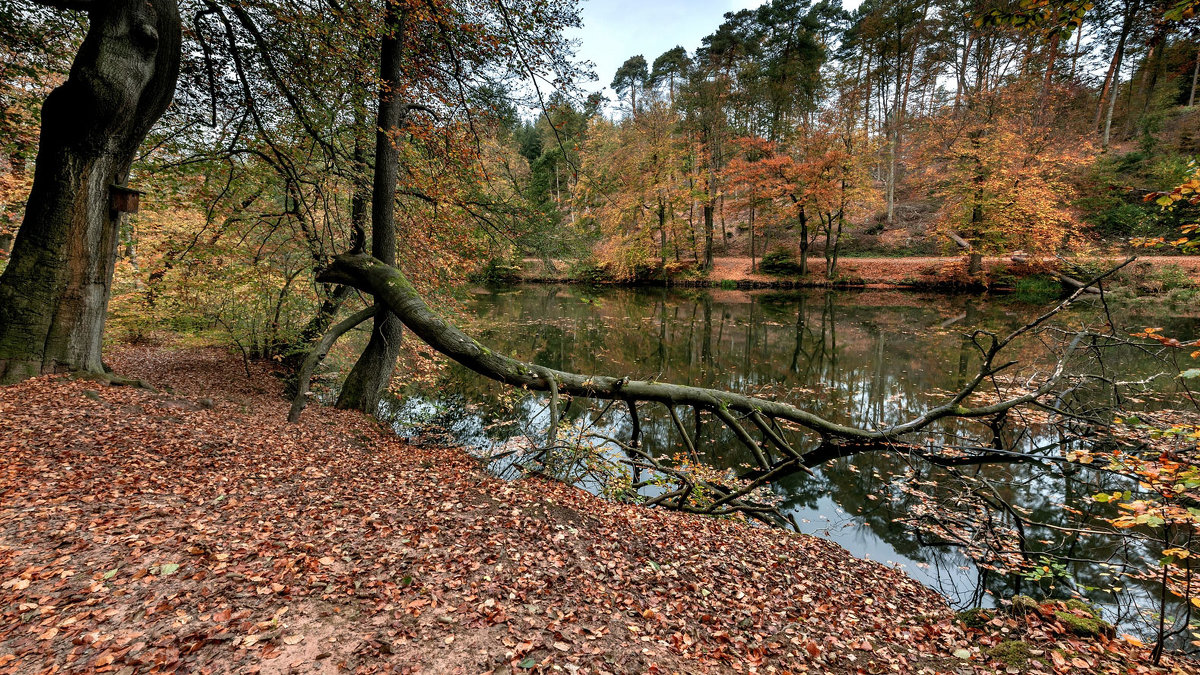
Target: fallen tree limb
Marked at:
392, 289
1076, 284
959, 241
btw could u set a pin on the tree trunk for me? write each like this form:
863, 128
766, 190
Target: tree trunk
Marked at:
662, 235
1195, 75
369, 378
1151, 64
1126, 26
1108, 84
1048, 80
708, 235
975, 265
753, 267
802, 218
54, 293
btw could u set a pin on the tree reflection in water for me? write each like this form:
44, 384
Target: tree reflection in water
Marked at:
866, 358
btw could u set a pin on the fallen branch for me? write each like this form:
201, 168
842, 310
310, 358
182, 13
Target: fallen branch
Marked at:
392, 289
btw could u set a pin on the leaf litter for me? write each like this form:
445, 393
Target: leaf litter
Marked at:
194, 530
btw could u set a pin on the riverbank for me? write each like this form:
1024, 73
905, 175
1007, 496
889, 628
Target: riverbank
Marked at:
193, 529
1148, 274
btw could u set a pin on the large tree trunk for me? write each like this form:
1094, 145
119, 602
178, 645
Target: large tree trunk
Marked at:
369, 378
54, 293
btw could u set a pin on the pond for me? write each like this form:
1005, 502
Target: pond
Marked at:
869, 358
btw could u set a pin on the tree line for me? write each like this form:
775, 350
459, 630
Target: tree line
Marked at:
794, 121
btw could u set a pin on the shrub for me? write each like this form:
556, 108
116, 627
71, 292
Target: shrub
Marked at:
498, 270
1037, 288
779, 262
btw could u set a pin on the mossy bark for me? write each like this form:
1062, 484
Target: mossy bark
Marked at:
54, 293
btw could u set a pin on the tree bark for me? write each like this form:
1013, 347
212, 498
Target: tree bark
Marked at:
1126, 26
318, 352
708, 235
369, 378
1195, 76
54, 293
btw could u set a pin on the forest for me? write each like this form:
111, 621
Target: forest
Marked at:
373, 336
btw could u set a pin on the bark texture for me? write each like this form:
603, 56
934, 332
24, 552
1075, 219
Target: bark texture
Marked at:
372, 372
54, 293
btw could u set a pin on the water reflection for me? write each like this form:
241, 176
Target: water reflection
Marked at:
863, 358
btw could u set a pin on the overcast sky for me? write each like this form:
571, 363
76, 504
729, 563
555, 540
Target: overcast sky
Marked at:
614, 30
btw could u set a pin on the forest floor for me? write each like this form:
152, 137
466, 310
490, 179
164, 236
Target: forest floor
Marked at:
193, 530
925, 272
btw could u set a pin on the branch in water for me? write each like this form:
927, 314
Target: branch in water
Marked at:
391, 288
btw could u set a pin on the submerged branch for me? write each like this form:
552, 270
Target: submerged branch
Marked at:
393, 290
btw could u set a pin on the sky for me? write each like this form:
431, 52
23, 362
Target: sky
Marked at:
614, 30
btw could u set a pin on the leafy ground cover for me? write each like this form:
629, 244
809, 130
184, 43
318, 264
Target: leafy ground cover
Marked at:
192, 529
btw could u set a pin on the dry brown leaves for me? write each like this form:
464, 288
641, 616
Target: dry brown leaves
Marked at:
157, 533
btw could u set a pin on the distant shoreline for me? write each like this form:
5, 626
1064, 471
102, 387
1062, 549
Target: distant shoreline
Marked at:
917, 273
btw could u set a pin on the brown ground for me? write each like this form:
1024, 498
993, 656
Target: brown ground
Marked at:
886, 272
197, 531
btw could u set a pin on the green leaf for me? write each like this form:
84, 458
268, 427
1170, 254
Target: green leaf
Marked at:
527, 663
110, 574
655, 566
1164, 200
169, 568
1102, 497
1190, 372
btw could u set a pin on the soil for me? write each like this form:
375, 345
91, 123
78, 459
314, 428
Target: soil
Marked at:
192, 529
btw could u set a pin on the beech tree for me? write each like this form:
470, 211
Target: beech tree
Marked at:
126, 70
54, 293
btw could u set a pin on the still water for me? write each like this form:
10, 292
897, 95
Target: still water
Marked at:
870, 358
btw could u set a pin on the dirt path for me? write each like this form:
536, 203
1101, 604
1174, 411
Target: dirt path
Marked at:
197, 531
